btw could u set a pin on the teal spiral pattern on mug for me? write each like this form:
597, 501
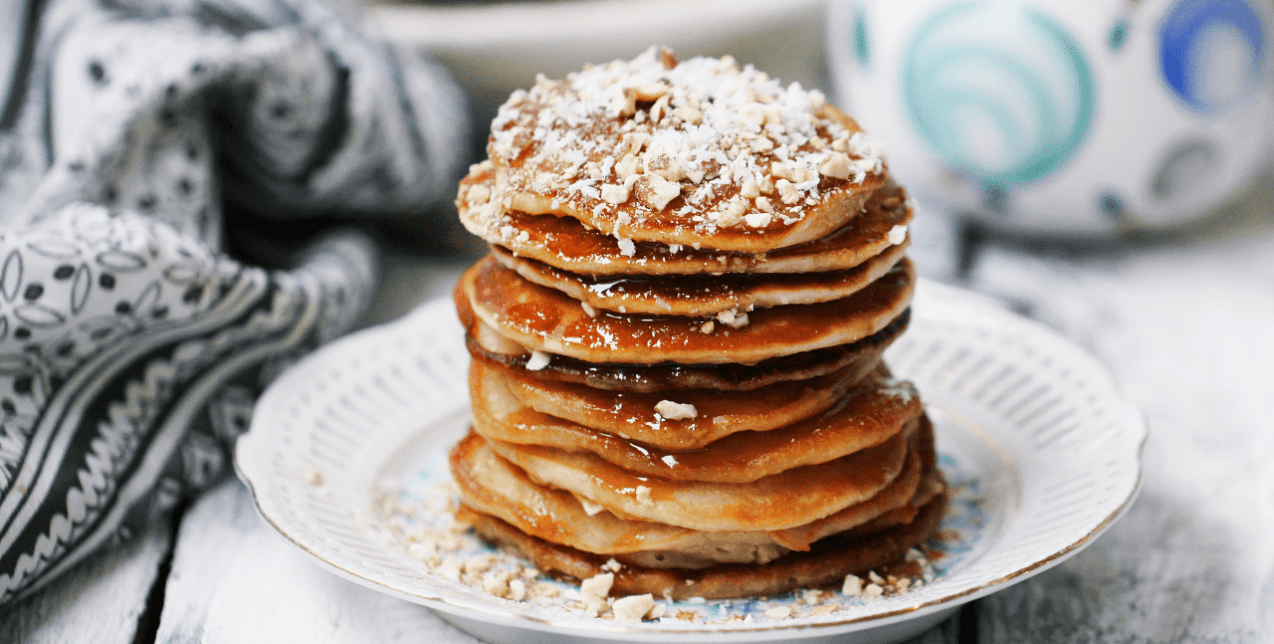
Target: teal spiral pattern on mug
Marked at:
998, 90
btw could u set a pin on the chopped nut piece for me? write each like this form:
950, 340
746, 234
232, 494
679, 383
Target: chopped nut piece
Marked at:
835, 166
478, 194
643, 495
659, 110
659, 191
593, 591
633, 607
612, 566
733, 319
623, 102
652, 91
590, 508
779, 613
517, 590
787, 191
763, 204
707, 327
614, 194
667, 58
537, 361
757, 219
853, 586
732, 215
750, 189
627, 166
497, 583
627, 248
688, 114
873, 590
592, 312
675, 410
779, 170
897, 234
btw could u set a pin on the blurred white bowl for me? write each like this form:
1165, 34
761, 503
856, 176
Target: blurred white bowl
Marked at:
493, 49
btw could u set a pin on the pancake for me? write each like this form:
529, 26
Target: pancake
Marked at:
790, 498
870, 415
676, 340
494, 486
636, 416
486, 345
662, 146
547, 320
566, 244
491, 485
827, 562
702, 295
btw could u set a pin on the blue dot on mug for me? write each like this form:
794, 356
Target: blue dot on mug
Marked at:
1211, 52
1000, 91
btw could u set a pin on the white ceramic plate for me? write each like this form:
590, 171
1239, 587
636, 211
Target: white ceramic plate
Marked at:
1042, 451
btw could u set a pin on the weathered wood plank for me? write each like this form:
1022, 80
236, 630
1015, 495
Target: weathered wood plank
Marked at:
234, 581
1186, 329
100, 601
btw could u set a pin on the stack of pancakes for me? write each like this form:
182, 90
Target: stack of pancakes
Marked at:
677, 336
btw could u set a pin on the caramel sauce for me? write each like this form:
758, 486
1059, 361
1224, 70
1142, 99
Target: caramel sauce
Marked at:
703, 295
490, 484
719, 413
902, 493
496, 295
788, 499
840, 202
565, 243
868, 416
486, 345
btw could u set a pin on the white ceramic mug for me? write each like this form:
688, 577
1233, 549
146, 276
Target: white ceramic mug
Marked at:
1063, 117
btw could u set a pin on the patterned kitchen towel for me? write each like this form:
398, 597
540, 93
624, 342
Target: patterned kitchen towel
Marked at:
131, 347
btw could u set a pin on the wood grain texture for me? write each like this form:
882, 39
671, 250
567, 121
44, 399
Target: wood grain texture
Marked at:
100, 601
1187, 330
235, 581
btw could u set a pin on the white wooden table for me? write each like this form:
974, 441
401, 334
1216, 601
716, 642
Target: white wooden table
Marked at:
1186, 325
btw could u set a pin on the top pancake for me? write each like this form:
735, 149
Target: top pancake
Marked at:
700, 153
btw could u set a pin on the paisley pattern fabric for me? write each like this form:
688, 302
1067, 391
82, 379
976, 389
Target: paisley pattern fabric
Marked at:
131, 346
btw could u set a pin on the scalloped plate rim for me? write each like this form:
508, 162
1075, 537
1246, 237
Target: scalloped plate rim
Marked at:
248, 461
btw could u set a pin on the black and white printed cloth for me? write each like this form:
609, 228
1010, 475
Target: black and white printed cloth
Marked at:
131, 346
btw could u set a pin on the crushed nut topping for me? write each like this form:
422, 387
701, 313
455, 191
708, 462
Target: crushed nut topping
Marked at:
702, 139
675, 410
